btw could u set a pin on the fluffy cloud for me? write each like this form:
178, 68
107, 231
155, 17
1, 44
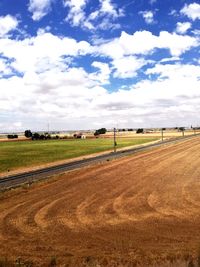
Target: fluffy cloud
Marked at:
62, 99
148, 16
51, 94
127, 67
103, 74
183, 27
173, 96
106, 14
176, 71
143, 42
7, 24
76, 13
32, 54
107, 7
39, 8
49, 84
192, 11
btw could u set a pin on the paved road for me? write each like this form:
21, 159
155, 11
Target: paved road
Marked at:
29, 177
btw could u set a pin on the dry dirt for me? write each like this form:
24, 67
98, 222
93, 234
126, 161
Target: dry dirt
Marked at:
143, 208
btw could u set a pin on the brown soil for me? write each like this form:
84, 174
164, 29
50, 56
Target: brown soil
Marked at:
142, 208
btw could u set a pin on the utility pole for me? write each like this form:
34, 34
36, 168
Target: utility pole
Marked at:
115, 143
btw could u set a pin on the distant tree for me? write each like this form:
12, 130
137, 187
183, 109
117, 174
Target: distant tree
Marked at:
163, 129
96, 133
28, 133
48, 136
130, 130
42, 137
100, 131
140, 130
181, 129
35, 136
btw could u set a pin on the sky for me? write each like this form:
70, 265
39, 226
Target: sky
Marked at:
87, 64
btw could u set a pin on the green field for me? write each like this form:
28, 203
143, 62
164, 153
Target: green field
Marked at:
14, 155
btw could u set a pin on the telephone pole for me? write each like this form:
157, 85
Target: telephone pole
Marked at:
115, 143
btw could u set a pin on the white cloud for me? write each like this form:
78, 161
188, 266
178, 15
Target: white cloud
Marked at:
174, 13
127, 67
102, 18
70, 97
32, 54
170, 101
143, 42
76, 13
192, 11
71, 103
50, 94
39, 8
183, 27
103, 74
107, 7
176, 71
196, 32
170, 59
148, 16
7, 24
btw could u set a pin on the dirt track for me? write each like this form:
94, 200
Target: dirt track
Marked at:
142, 208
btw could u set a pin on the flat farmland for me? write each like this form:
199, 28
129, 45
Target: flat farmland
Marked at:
16, 155
141, 209
167, 134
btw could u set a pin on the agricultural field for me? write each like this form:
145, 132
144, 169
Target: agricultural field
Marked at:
167, 134
20, 154
142, 209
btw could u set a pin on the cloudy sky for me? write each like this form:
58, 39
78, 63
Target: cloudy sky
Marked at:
85, 64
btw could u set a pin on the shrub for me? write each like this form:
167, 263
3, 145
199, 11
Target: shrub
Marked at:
12, 136
35, 136
140, 130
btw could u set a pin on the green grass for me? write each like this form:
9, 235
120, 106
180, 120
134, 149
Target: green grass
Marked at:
14, 155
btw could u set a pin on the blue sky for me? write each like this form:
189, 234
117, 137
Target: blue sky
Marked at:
85, 64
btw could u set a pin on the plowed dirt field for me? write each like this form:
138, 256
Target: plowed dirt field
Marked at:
143, 209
